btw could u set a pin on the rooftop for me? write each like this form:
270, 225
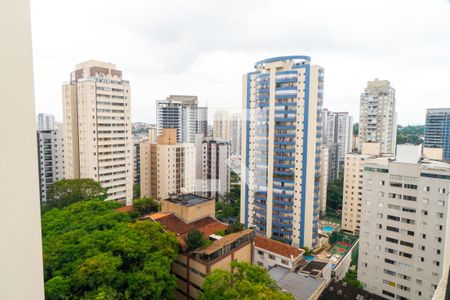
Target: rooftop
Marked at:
278, 247
300, 286
188, 199
125, 209
314, 267
207, 226
338, 290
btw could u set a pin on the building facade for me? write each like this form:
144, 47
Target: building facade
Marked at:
236, 134
282, 99
46, 122
182, 113
50, 158
323, 184
437, 130
338, 129
212, 167
378, 118
97, 128
353, 187
222, 125
166, 166
404, 246
21, 275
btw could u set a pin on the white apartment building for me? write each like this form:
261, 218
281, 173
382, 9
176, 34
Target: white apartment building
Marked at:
51, 159
353, 186
323, 184
378, 118
45, 122
21, 274
212, 167
167, 167
236, 134
97, 128
405, 229
337, 129
182, 113
282, 100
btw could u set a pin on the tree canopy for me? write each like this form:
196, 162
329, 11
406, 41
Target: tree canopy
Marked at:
246, 282
92, 251
67, 191
412, 134
145, 205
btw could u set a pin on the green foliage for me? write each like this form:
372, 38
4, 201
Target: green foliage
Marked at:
234, 227
195, 240
307, 251
67, 191
220, 232
410, 134
351, 279
92, 251
229, 211
356, 129
246, 282
334, 193
145, 205
234, 177
136, 191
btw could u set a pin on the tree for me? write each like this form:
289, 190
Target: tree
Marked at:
92, 251
351, 279
67, 191
245, 282
410, 134
195, 240
145, 205
334, 193
136, 191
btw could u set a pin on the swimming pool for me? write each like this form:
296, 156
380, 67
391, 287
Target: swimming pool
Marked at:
328, 229
309, 257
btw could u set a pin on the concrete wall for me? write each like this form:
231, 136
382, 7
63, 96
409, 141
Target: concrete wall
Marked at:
21, 275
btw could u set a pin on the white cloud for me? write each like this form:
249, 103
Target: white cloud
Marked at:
204, 47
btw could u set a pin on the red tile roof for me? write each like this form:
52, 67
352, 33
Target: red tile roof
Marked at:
125, 209
278, 247
172, 223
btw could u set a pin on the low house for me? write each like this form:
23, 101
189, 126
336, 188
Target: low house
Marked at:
268, 253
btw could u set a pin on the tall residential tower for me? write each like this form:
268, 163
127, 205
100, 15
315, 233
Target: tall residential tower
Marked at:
378, 119
437, 130
281, 147
182, 113
97, 128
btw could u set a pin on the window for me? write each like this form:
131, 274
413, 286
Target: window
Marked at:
426, 188
441, 203
389, 261
440, 215
284, 262
272, 257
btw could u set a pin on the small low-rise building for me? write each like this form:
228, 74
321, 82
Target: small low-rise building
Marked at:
268, 253
302, 287
185, 213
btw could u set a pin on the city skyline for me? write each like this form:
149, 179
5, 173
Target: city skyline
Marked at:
157, 68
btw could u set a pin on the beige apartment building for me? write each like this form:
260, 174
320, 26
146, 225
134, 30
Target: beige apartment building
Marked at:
222, 125
167, 167
97, 128
353, 184
21, 274
404, 243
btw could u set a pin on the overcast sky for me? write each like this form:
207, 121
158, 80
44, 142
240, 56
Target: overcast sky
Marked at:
203, 48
